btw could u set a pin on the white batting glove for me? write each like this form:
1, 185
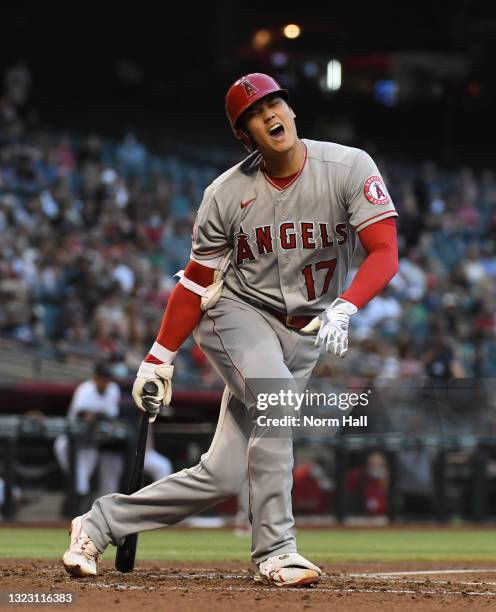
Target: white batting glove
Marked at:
161, 375
332, 327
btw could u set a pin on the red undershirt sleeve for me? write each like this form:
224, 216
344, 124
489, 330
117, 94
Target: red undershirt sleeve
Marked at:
381, 264
182, 313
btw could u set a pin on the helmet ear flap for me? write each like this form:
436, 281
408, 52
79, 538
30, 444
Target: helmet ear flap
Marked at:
245, 139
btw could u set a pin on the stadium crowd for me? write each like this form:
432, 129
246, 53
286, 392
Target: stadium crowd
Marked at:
93, 231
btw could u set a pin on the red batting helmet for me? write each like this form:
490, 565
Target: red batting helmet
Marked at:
246, 91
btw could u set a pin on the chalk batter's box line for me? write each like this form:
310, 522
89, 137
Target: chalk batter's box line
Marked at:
365, 575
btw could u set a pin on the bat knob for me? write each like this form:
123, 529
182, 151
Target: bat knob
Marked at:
150, 388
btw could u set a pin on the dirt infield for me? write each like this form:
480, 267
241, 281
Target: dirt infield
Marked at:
197, 587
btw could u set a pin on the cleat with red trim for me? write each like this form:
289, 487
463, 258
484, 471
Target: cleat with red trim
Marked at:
82, 556
290, 569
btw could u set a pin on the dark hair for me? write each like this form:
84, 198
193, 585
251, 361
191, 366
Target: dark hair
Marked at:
103, 369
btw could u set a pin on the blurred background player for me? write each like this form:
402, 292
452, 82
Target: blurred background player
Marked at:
95, 400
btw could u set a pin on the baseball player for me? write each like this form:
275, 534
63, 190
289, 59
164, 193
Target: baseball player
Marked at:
262, 292
94, 399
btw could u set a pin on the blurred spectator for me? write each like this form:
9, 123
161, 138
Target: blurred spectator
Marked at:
110, 318
313, 491
415, 482
410, 365
313, 486
382, 312
412, 219
440, 360
131, 157
410, 281
17, 83
176, 245
367, 487
467, 193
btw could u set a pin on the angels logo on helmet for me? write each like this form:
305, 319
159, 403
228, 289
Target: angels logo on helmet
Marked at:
250, 89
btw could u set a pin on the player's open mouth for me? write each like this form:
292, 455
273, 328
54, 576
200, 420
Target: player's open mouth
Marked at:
276, 131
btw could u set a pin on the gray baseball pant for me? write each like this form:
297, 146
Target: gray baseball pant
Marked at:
243, 343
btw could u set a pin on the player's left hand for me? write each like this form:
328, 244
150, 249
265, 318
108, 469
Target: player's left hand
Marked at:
332, 326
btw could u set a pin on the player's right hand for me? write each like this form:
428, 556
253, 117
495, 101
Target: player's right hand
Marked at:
161, 375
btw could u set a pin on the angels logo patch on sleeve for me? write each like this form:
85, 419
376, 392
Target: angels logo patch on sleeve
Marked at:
375, 191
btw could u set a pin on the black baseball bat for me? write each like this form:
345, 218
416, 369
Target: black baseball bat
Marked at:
126, 552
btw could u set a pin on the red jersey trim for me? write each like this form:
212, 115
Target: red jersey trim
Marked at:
385, 214
295, 178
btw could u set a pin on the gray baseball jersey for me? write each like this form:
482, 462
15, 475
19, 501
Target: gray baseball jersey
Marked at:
293, 246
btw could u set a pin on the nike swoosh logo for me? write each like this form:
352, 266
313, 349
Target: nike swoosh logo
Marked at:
248, 202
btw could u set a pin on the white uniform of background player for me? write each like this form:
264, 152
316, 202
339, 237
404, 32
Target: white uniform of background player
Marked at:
94, 398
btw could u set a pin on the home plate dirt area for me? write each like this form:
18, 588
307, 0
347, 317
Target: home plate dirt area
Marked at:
228, 586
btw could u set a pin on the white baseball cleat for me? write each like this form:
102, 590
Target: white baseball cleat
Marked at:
82, 556
290, 569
